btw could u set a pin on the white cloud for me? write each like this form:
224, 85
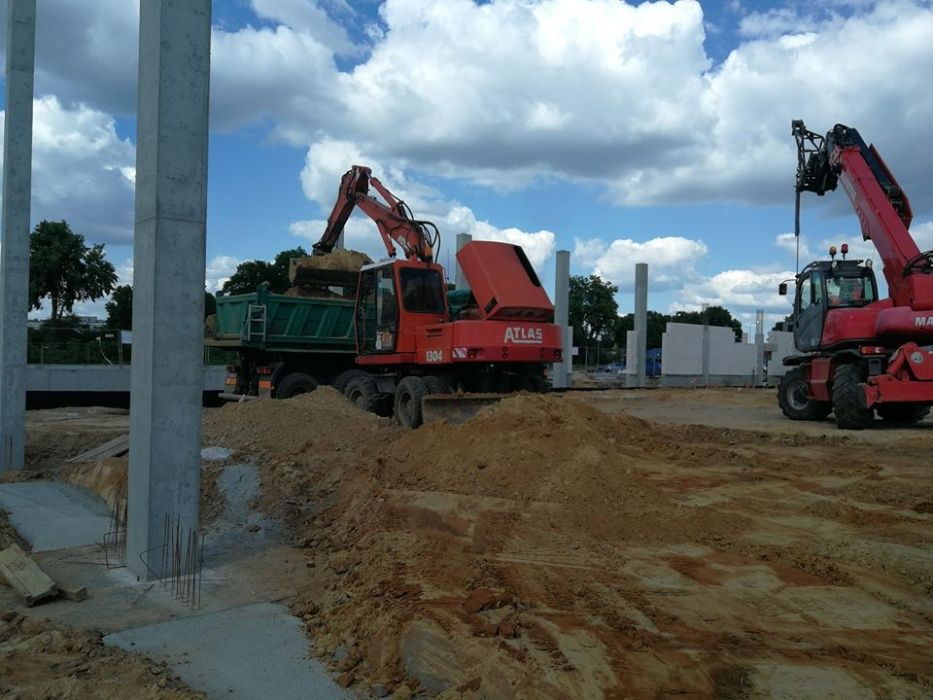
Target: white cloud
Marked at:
788, 243
738, 291
82, 171
219, 269
671, 260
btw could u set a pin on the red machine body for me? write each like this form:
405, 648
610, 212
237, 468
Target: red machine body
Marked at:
864, 353
500, 337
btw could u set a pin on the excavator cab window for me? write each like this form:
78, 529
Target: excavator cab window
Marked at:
422, 290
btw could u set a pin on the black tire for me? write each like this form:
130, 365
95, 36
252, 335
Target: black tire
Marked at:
539, 385
364, 394
793, 399
437, 385
295, 383
342, 381
408, 397
849, 410
903, 413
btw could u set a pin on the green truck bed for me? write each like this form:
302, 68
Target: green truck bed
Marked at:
280, 323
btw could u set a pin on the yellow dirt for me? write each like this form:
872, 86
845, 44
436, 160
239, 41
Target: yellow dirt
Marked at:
549, 548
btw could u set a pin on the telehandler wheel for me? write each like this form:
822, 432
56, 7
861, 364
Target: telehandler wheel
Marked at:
295, 383
793, 399
364, 394
847, 385
408, 397
903, 413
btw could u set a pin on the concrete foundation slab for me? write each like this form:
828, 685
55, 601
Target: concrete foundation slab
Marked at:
51, 515
252, 651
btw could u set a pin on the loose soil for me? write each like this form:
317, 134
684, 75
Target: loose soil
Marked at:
607, 544
40, 660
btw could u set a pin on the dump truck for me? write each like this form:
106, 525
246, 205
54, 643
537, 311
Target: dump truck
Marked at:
285, 345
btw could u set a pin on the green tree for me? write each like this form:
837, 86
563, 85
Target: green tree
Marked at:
120, 307
593, 309
64, 270
657, 324
251, 273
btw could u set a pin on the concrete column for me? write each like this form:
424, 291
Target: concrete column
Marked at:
706, 345
14, 251
562, 369
760, 347
168, 273
641, 323
460, 280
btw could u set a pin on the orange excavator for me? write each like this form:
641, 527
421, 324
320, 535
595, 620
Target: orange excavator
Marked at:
424, 353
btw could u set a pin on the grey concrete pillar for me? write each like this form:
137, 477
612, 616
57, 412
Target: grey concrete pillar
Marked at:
560, 378
706, 345
14, 251
641, 323
168, 274
760, 347
460, 280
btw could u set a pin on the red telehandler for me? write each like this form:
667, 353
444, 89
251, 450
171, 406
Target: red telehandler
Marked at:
862, 354
414, 340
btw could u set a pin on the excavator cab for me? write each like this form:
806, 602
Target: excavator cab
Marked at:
395, 297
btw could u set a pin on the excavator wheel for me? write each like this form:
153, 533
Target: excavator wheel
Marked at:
903, 413
794, 401
850, 413
408, 395
342, 381
364, 394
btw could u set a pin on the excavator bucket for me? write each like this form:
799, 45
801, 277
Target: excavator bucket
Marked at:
455, 409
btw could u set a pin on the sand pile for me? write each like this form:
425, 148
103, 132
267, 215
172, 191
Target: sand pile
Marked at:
432, 522
321, 421
39, 659
302, 446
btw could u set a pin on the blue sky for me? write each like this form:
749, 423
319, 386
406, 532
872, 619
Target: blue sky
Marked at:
656, 132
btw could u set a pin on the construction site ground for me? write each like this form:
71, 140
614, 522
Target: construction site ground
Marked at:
623, 543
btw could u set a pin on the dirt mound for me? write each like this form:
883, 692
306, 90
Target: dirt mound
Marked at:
322, 420
302, 446
39, 659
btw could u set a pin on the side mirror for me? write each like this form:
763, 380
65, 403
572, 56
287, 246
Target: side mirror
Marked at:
782, 289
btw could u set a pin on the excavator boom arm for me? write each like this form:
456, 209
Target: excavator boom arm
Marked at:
397, 226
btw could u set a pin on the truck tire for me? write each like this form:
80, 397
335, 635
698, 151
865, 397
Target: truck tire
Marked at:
408, 397
364, 394
538, 385
847, 385
295, 383
903, 413
793, 400
342, 382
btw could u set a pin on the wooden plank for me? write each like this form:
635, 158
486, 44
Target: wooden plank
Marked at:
25, 576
